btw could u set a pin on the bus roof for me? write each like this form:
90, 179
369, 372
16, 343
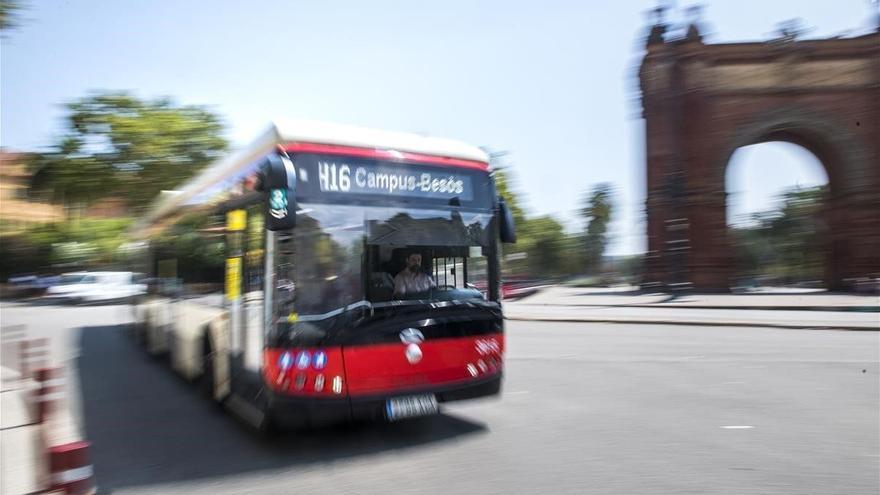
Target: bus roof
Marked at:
306, 131
284, 132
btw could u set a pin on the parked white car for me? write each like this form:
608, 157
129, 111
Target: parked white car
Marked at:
95, 287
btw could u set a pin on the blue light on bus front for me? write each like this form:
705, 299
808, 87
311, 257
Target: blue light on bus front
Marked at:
319, 360
303, 359
285, 361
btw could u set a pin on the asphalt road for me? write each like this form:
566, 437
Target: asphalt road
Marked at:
587, 408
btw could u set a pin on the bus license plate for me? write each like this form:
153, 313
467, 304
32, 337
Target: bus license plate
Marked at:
411, 406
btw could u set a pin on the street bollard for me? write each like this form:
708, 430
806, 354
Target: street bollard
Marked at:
50, 392
70, 468
33, 354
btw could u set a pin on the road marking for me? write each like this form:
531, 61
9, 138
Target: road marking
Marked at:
518, 392
737, 427
732, 383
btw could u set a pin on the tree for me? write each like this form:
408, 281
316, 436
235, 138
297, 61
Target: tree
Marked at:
596, 211
118, 145
505, 183
63, 245
784, 244
504, 189
8, 14
543, 240
71, 179
543, 249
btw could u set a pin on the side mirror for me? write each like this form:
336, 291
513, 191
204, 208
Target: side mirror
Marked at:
279, 184
506, 227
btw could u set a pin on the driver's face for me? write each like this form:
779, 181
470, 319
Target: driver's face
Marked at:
414, 261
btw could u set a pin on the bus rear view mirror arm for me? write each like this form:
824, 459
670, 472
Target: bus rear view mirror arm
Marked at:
506, 226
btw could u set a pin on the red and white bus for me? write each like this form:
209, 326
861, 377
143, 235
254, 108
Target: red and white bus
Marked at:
273, 276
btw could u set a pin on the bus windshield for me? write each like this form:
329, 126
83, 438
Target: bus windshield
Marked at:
341, 255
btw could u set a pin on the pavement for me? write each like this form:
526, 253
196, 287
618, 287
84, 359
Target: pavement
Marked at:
586, 408
22, 466
23, 469
809, 309
764, 298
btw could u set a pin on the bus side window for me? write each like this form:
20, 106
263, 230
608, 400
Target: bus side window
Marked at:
189, 260
254, 251
284, 274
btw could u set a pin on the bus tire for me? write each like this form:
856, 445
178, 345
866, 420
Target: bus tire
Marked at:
268, 428
206, 381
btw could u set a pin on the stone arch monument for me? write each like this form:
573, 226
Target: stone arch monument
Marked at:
701, 102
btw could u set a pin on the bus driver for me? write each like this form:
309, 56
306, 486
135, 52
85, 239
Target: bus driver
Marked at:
412, 280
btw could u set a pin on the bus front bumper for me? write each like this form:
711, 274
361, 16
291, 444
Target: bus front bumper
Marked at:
307, 412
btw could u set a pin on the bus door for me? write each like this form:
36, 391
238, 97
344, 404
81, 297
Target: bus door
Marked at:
253, 289
245, 268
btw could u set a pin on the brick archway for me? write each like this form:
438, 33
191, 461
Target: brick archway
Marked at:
842, 157
702, 102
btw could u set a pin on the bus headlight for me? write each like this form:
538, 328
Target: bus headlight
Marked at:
303, 359
285, 361
319, 360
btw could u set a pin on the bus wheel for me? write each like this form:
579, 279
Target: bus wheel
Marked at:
206, 382
268, 428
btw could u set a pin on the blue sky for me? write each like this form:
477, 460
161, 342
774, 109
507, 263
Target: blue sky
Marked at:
553, 83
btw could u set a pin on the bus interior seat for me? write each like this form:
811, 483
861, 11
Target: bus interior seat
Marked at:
381, 286
380, 280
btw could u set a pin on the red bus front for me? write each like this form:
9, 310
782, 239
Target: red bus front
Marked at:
386, 290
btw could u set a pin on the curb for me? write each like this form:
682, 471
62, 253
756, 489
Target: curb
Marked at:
833, 309
693, 323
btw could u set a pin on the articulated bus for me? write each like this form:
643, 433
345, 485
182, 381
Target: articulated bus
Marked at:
329, 273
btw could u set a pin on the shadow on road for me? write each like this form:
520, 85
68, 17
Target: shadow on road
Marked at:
147, 426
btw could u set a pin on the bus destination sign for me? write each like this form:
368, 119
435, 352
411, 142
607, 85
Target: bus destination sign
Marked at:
342, 176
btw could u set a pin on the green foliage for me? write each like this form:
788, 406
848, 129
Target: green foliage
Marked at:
504, 188
784, 245
545, 243
197, 245
63, 245
8, 14
543, 248
596, 211
118, 145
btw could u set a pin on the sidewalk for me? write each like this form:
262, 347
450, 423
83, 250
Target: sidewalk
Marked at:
24, 440
23, 452
784, 309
